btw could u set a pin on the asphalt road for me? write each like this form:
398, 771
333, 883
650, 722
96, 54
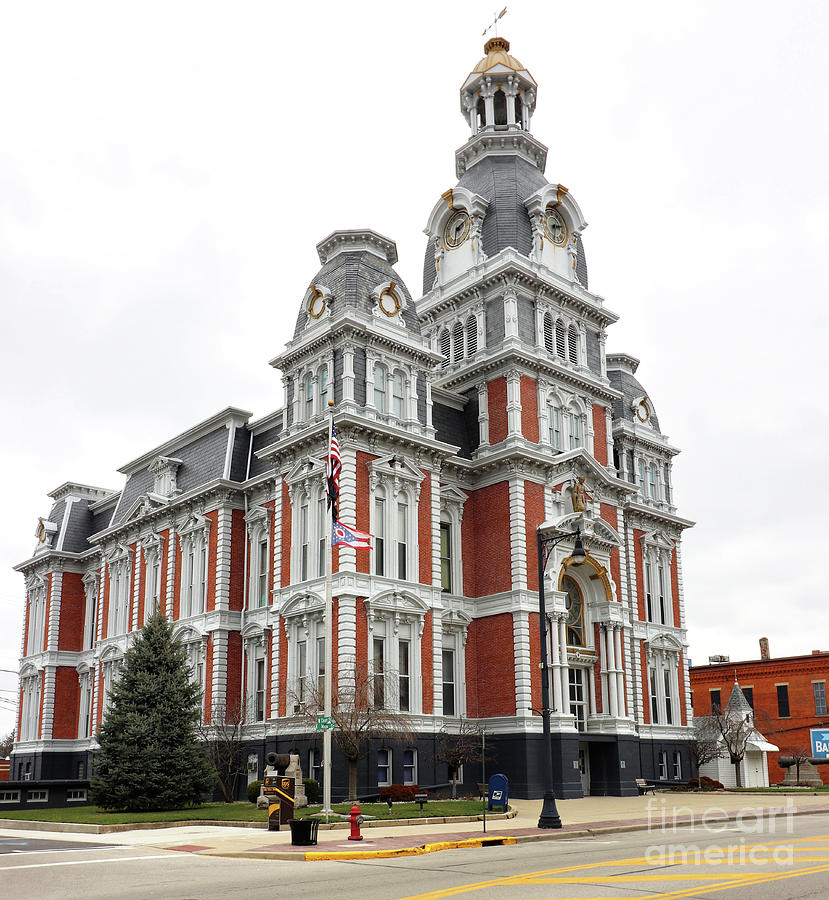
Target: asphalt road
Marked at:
731, 864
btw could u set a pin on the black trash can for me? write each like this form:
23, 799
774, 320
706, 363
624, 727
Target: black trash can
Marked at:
304, 832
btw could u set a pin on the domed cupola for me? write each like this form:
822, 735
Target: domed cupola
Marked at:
502, 198
635, 405
357, 275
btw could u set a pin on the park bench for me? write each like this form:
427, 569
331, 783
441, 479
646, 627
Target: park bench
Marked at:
644, 787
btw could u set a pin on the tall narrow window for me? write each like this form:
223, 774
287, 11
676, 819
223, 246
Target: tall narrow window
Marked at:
471, 336
402, 538
748, 693
397, 396
457, 342
446, 556
410, 766
783, 701
403, 675
577, 701
379, 388
677, 765
649, 590
669, 712
303, 539
383, 766
575, 430
322, 525
663, 765
444, 342
548, 333
448, 661
322, 381
561, 349
191, 579
262, 576
315, 765
663, 606
573, 345
202, 601
716, 701
301, 672
309, 396
378, 653
500, 108
820, 698
259, 712
654, 699
155, 582
642, 487
554, 424
652, 482
379, 536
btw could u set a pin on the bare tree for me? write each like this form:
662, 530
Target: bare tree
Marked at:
735, 728
6, 744
362, 708
799, 755
706, 745
457, 748
222, 738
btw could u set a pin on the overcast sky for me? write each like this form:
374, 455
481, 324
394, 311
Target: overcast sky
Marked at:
166, 170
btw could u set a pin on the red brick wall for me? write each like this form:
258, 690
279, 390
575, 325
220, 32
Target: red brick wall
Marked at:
600, 434
424, 530
497, 407
236, 599
534, 516
212, 552
67, 699
535, 660
609, 514
529, 408
234, 669
286, 537
681, 680
72, 610
361, 638
363, 507
427, 657
494, 669
486, 513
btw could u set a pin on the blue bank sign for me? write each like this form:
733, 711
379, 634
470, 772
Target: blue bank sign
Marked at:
820, 743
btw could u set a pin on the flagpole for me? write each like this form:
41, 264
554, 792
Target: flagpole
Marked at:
329, 631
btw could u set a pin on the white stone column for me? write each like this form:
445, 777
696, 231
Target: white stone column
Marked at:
170, 586
555, 672
434, 515
346, 642
347, 502
510, 313
223, 538
54, 615
136, 569
430, 428
620, 674
518, 533
521, 652
218, 673
276, 543
513, 402
611, 672
591, 687
437, 664
348, 373
603, 669
565, 668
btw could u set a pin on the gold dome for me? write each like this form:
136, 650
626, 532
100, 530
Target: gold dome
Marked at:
496, 50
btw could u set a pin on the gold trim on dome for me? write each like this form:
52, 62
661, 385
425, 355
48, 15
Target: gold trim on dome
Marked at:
316, 294
643, 403
389, 292
447, 196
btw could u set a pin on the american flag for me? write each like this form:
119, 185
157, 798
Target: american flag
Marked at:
335, 466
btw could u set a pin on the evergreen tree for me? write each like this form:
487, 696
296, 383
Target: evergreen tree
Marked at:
150, 756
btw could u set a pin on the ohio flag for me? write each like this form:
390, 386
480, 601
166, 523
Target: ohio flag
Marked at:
350, 537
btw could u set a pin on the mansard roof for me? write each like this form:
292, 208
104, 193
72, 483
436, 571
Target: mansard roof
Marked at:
621, 368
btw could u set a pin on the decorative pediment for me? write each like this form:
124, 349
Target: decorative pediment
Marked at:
30, 671
195, 523
91, 581
307, 473
400, 605
187, 634
164, 470
657, 539
119, 554
452, 498
302, 604
145, 505
36, 582
258, 517
388, 301
152, 543
665, 641
395, 470
111, 653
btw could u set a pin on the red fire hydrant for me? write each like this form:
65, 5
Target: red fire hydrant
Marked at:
356, 820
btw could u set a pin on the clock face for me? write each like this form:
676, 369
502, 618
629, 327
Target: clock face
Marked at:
456, 230
389, 302
316, 303
643, 411
555, 227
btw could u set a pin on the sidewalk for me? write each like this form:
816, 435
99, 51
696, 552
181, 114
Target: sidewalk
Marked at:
586, 816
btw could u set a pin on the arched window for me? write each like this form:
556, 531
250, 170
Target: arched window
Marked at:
575, 429
481, 109
548, 333
561, 350
575, 613
309, 396
322, 381
457, 342
554, 424
573, 344
500, 108
471, 336
397, 394
380, 388
444, 345
519, 111
304, 538
379, 529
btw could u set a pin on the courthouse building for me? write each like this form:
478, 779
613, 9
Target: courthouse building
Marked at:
465, 417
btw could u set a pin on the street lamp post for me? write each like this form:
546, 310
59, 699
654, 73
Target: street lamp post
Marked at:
549, 817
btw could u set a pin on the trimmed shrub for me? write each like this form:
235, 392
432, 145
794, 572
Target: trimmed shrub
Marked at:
399, 793
705, 783
254, 789
312, 789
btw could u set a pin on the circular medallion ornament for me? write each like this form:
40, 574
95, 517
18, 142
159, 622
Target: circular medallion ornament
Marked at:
554, 227
316, 303
456, 230
388, 301
643, 411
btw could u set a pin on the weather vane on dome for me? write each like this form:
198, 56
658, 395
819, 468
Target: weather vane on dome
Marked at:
494, 23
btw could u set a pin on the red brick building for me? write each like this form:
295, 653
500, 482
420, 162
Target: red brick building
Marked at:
465, 419
787, 694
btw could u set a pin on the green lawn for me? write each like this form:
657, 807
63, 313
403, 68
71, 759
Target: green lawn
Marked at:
237, 812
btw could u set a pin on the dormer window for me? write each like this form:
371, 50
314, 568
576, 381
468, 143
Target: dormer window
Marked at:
164, 470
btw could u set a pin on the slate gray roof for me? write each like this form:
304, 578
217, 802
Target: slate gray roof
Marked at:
631, 389
351, 277
506, 182
737, 702
260, 440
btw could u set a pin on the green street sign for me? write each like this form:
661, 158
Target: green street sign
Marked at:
325, 723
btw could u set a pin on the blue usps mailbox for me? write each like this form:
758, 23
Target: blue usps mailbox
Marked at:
498, 792
820, 743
